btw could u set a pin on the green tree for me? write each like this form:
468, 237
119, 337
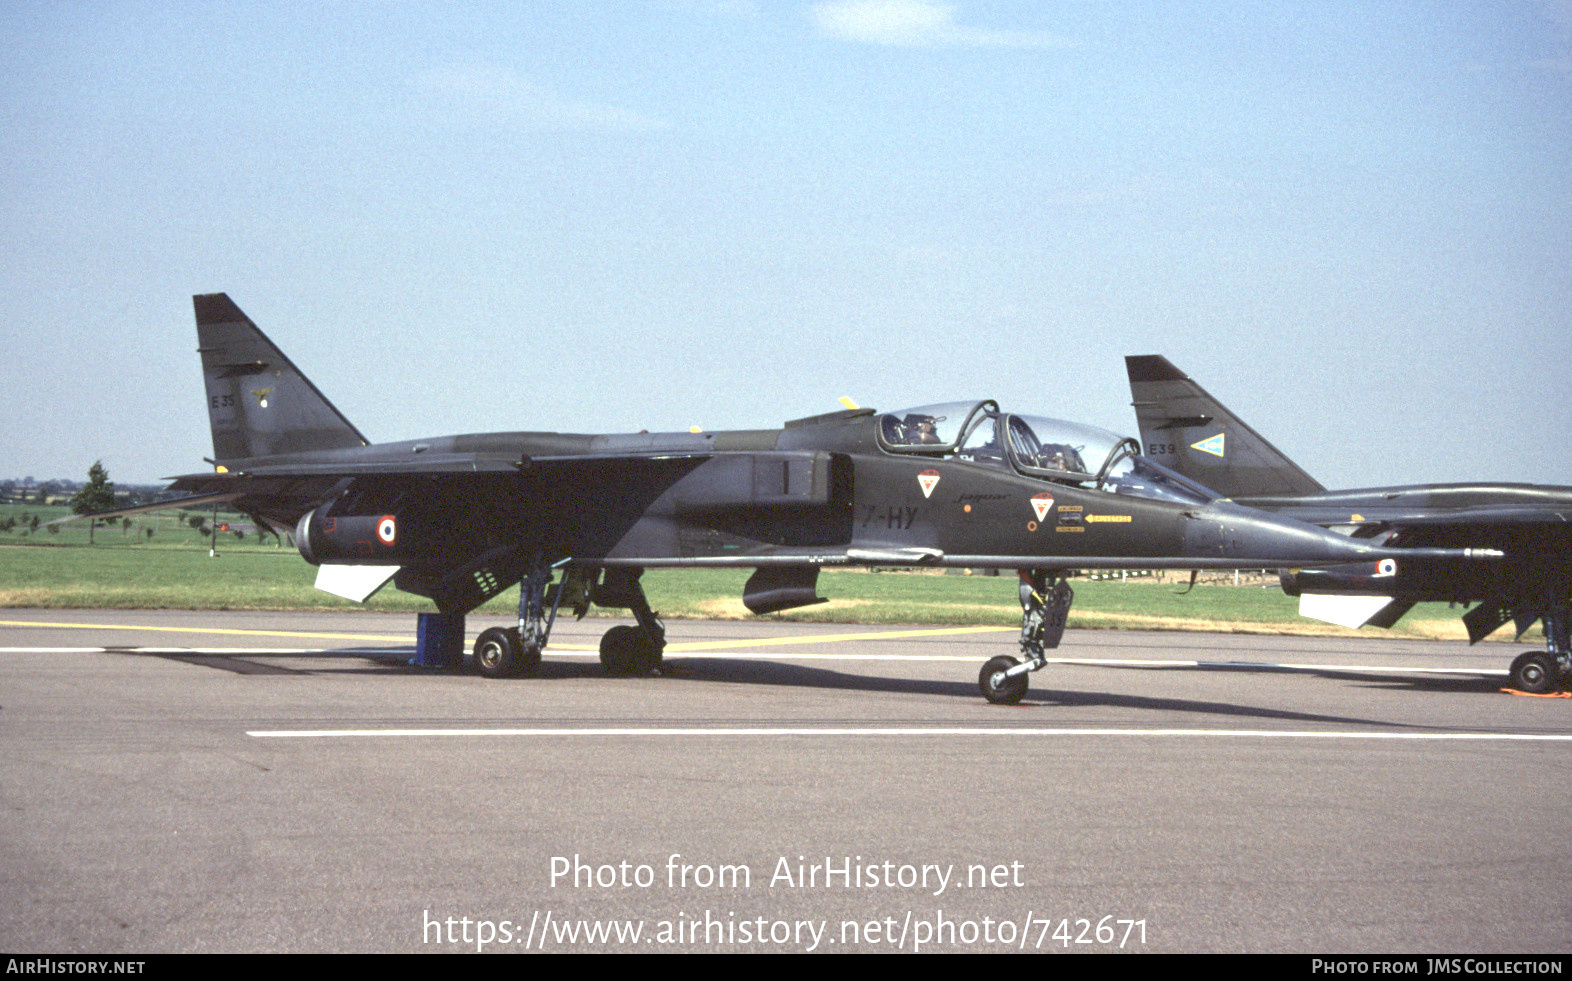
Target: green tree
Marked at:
98, 494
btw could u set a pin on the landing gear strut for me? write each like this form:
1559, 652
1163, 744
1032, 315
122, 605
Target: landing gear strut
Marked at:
1045, 609
1548, 671
626, 650
506, 652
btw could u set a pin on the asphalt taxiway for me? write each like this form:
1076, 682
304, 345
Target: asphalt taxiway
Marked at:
252, 781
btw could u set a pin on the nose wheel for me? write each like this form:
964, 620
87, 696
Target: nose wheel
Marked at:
1045, 609
999, 687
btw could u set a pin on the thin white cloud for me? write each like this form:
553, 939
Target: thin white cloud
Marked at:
487, 94
917, 23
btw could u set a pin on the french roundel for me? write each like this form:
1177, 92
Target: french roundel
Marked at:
1386, 567
387, 530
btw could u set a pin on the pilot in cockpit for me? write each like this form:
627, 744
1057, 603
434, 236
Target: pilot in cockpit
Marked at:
913, 429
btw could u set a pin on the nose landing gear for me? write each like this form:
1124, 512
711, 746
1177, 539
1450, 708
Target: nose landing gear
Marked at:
1045, 609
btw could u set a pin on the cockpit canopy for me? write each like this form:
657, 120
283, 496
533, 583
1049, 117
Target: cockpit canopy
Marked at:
933, 428
1035, 446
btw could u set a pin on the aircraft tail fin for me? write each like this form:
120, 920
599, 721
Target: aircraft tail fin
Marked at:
1187, 430
258, 402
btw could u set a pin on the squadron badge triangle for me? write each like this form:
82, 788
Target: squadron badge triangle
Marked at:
1042, 503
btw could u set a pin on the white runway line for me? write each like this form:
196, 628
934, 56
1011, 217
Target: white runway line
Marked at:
1012, 732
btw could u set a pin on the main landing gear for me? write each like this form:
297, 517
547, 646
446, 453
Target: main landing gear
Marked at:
1548, 671
628, 650
1045, 609
509, 652
506, 652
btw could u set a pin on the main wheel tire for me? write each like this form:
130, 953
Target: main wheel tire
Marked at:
1535, 672
498, 652
528, 664
649, 657
1001, 691
623, 651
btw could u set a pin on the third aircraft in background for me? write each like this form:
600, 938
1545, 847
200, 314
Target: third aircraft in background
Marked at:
1190, 432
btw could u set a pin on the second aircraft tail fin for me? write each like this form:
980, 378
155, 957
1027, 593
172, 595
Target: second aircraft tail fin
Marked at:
258, 402
1187, 430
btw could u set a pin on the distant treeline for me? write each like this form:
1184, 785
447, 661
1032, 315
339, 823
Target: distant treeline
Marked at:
26, 490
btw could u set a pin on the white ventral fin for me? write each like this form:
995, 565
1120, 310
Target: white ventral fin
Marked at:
1345, 611
354, 582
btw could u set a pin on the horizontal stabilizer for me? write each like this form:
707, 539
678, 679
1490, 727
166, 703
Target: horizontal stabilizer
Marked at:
169, 505
1345, 611
354, 582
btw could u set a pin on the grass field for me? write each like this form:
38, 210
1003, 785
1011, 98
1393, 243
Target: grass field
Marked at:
168, 529
173, 570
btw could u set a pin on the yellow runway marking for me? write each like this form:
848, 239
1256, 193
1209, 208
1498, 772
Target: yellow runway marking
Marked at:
693, 647
401, 639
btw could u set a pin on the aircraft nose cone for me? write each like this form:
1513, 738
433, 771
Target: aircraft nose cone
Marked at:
1228, 531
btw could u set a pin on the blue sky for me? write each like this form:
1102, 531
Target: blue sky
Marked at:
1351, 222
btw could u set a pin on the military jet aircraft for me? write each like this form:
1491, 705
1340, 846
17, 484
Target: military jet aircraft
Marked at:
1195, 435
577, 518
